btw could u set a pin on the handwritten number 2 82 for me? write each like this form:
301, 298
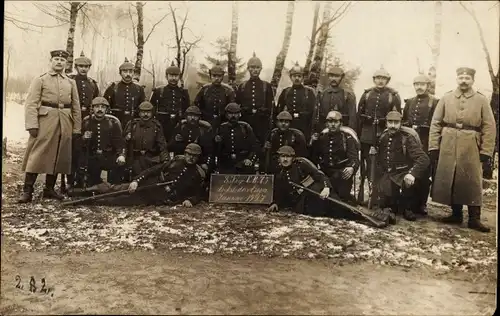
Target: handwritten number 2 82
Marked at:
33, 286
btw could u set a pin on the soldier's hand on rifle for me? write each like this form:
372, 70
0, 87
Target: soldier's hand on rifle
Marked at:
218, 139
187, 203
87, 135
267, 145
272, 208
33, 132
128, 136
409, 180
347, 173
179, 138
324, 193
247, 162
314, 137
132, 187
120, 160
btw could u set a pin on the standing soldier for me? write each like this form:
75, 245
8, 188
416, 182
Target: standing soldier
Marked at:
256, 99
462, 136
125, 96
53, 119
298, 100
236, 143
281, 136
213, 97
373, 107
402, 166
336, 152
146, 144
417, 114
335, 98
170, 101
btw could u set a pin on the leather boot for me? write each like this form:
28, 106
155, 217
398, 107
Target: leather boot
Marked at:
474, 219
48, 191
409, 215
29, 181
456, 217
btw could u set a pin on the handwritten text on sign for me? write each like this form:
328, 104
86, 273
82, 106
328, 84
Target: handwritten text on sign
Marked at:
237, 188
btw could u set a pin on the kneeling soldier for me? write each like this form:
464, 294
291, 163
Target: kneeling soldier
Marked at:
336, 152
402, 166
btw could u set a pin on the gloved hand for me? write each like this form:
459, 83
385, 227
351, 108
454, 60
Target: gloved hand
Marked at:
272, 208
120, 160
187, 203
33, 132
409, 180
483, 157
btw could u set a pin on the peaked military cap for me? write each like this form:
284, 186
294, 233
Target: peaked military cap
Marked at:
286, 150
393, 116
217, 69
233, 108
254, 61
100, 101
193, 149
146, 106
82, 60
59, 53
335, 70
173, 70
285, 115
334, 115
127, 65
193, 110
421, 79
296, 69
382, 73
466, 71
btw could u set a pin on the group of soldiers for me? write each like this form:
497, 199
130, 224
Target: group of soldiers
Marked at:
315, 139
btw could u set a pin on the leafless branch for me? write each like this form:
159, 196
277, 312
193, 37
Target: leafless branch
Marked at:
133, 24
85, 15
336, 15
154, 26
9, 18
49, 11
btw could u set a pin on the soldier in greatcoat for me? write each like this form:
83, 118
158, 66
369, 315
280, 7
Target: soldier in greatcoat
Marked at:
213, 97
299, 100
53, 119
170, 101
462, 136
124, 96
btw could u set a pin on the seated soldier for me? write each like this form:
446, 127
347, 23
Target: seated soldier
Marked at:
402, 164
183, 173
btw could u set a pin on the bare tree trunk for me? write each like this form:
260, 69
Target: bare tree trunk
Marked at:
321, 44
436, 46
153, 70
70, 44
280, 59
140, 40
231, 58
312, 44
5, 85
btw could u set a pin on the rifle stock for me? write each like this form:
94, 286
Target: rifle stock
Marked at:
271, 125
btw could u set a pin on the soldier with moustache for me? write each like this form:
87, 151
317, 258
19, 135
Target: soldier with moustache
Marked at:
53, 120
417, 114
214, 97
298, 100
193, 130
256, 99
402, 165
170, 101
461, 138
237, 146
145, 140
183, 173
124, 96
281, 136
335, 98
336, 153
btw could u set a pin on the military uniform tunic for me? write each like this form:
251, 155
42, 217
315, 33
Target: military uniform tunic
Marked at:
124, 99
87, 91
417, 114
238, 143
212, 100
200, 133
337, 99
170, 102
300, 101
291, 137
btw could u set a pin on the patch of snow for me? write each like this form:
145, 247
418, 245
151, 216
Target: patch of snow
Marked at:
277, 232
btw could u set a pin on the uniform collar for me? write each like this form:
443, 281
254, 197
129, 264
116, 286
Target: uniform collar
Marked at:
423, 96
332, 89
53, 73
468, 94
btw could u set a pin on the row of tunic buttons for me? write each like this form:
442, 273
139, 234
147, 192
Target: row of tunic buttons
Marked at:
180, 175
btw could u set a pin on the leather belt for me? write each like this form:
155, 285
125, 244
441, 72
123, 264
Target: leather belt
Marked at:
56, 105
462, 126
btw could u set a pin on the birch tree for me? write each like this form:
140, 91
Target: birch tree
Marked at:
312, 43
436, 46
231, 56
280, 59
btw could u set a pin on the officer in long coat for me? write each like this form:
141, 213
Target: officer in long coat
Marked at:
402, 164
213, 97
53, 119
298, 100
256, 99
124, 96
170, 101
335, 98
462, 136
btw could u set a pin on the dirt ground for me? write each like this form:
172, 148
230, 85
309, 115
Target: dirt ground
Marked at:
229, 260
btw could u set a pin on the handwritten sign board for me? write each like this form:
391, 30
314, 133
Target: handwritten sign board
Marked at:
241, 189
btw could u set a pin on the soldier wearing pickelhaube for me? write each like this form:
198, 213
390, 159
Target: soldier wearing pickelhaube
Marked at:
402, 165
281, 136
87, 87
170, 101
299, 101
256, 99
335, 98
336, 152
193, 130
213, 97
237, 146
146, 144
125, 96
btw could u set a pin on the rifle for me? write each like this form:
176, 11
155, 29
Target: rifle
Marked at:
367, 215
87, 154
316, 116
271, 125
116, 193
130, 150
373, 162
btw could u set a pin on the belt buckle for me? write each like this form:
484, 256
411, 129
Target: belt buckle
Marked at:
414, 126
254, 111
459, 125
99, 151
84, 108
233, 156
172, 116
296, 115
143, 152
389, 169
127, 112
61, 105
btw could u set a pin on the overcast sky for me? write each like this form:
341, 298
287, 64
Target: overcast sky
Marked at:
373, 33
